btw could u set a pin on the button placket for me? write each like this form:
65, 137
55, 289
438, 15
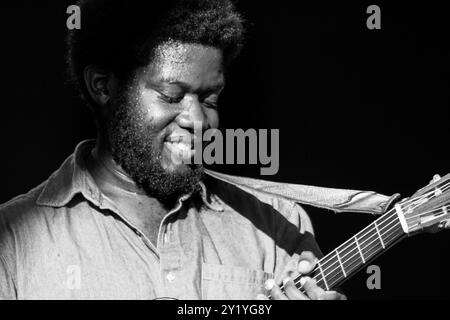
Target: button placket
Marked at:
108, 205
164, 226
170, 276
171, 265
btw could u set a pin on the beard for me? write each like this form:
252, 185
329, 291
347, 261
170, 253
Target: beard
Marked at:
136, 147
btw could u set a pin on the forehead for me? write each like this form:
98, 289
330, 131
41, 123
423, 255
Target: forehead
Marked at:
194, 64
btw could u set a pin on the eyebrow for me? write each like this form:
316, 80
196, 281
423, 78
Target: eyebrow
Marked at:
187, 87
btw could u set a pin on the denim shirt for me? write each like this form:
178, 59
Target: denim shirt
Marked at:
65, 240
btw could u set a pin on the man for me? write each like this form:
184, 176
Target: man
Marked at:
122, 218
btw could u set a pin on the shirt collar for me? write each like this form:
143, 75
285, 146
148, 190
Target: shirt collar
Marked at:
73, 178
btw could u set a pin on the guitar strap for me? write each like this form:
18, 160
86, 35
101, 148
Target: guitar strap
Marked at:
337, 200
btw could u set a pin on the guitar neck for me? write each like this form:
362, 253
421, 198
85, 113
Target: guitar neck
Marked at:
343, 262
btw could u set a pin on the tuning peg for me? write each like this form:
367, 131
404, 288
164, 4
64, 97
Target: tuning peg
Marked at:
436, 178
445, 224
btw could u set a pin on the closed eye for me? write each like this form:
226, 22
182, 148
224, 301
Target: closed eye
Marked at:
169, 99
211, 101
212, 105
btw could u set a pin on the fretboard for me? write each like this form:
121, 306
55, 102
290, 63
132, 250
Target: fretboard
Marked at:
352, 255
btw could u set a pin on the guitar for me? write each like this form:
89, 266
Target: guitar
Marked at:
427, 210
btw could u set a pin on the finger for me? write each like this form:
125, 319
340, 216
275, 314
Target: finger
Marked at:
275, 291
312, 290
262, 297
307, 262
290, 270
445, 224
332, 295
292, 292
277, 294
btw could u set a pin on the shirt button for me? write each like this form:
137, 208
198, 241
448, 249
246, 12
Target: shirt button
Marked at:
170, 277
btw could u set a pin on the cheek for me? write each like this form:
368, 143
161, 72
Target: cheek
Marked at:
213, 118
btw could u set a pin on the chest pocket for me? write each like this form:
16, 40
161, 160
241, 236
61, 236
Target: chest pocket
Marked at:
221, 282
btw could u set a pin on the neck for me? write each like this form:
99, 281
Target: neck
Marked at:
108, 169
134, 204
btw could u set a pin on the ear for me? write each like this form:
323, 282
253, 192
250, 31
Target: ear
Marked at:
101, 85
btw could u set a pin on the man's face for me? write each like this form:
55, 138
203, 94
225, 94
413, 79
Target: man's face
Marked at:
151, 125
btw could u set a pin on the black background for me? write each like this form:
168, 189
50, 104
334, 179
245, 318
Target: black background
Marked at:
356, 108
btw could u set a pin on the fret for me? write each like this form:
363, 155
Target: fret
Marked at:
340, 263
359, 249
401, 217
379, 235
323, 275
391, 230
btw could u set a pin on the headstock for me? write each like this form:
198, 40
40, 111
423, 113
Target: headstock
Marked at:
428, 209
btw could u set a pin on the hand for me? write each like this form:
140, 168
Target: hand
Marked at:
300, 265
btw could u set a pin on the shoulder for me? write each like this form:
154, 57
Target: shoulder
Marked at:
262, 203
251, 196
22, 220
20, 205
16, 225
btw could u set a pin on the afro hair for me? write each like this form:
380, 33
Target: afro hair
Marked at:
121, 35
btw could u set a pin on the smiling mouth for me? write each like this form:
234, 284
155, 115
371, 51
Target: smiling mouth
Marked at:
180, 139
180, 150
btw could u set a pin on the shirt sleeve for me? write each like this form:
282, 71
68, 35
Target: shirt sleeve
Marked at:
297, 242
7, 259
7, 283
295, 234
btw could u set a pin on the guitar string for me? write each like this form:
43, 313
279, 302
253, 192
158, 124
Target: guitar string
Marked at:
354, 251
424, 196
350, 261
365, 243
366, 247
390, 212
369, 251
332, 274
432, 193
335, 277
330, 279
335, 280
347, 247
412, 216
409, 201
350, 242
443, 188
384, 221
297, 280
346, 251
431, 211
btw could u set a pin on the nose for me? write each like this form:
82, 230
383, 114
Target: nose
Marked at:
193, 116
